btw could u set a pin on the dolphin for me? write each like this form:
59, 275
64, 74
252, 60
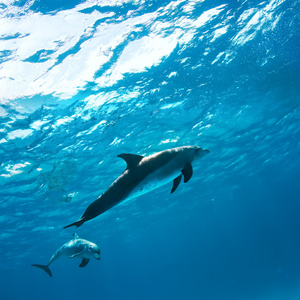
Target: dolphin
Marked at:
144, 174
76, 247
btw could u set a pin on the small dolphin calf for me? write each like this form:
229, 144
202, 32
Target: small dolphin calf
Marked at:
77, 247
144, 174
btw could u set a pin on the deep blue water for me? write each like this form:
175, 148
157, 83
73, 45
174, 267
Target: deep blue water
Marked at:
83, 81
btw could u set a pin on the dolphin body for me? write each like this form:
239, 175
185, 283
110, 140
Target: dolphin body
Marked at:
76, 247
144, 174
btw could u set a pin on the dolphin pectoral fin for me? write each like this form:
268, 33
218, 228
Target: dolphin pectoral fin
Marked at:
176, 182
187, 172
84, 262
45, 268
132, 160
77, 223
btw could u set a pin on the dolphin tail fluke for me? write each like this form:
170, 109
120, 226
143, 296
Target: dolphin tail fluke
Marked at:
45, 268
77, 223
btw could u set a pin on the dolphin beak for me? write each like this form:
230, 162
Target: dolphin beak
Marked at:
202, 152
97, 256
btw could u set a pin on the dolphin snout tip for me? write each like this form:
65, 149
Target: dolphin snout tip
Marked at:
203, 151
97, 256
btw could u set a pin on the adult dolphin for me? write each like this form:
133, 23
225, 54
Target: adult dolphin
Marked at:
144, 174
78, 248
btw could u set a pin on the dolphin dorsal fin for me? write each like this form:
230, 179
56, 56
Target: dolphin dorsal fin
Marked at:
132, 160
75, 236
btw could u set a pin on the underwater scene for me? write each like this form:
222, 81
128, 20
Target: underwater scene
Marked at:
150, 150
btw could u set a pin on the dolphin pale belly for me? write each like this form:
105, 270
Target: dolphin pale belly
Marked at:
76, 248
144, 174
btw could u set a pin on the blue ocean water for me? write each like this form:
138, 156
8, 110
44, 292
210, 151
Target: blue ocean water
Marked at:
83, 81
